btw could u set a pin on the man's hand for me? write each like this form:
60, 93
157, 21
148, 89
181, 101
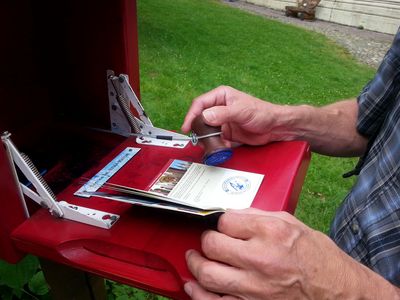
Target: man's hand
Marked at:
244, 119
271, 255
330, 130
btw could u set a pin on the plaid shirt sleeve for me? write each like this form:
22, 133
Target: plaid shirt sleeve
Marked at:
367, 224
378, 95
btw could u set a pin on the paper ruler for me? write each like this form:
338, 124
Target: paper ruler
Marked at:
104, 174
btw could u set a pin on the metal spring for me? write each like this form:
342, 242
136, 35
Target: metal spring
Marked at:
38, 175
124, 103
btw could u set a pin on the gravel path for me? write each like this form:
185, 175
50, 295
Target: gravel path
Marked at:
368, 47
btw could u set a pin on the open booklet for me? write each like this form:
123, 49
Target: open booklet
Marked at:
190, 188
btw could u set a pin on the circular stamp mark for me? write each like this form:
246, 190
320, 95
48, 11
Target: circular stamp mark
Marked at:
236, 185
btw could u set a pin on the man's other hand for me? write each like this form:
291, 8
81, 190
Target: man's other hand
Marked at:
269, 255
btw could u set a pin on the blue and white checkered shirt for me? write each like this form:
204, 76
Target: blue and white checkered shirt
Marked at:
367, 225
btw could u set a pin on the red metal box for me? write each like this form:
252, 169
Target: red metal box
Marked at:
146, 247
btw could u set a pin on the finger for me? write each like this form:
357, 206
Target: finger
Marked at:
214, 276
209, 99
283, 215
227, 143
239, 225
245, 226
220, 247
197, 292
226, 134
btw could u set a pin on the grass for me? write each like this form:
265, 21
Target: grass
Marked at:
188, 47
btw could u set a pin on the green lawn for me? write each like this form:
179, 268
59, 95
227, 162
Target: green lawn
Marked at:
190, 46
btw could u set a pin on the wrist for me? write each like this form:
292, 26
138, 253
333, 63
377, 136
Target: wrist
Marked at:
373, 286
355, 281
339, 276
292, 121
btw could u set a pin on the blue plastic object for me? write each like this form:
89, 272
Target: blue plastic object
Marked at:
218, 157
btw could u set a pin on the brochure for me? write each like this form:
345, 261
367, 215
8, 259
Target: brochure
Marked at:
191, 188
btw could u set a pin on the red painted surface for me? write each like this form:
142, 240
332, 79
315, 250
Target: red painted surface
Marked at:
146, 247
131, 43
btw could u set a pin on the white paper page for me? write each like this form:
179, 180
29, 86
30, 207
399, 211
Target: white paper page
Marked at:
208, 187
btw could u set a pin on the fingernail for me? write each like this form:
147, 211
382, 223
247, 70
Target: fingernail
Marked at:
188, 288
209, 115
187, 254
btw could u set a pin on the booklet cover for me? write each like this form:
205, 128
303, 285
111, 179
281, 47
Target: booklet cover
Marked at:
191, 188
207, 187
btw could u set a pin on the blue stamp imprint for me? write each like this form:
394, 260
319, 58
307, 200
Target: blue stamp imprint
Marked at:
236, 185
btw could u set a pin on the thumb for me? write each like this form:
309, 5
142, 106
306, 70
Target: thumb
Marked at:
219, 115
